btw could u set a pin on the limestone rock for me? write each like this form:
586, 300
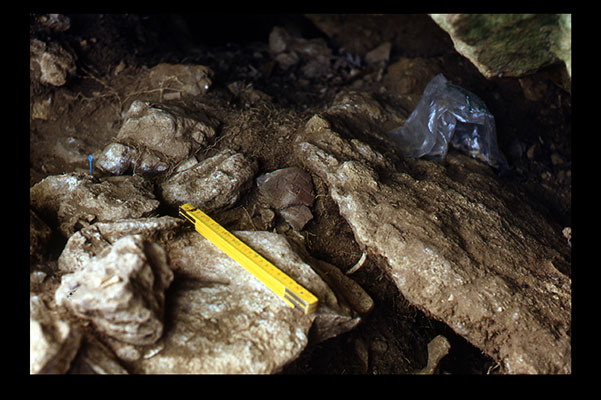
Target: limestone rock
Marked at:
117, 159
53, 343
121, 290
224, 320
510, 45
50, 63
191, 80
74, 200
459, 244
155, 137
437, 349
219, 318
212, 184
90, 241
165, 129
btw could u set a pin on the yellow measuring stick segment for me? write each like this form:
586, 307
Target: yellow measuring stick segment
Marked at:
277, 281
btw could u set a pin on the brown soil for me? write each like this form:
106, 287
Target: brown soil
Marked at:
114, 52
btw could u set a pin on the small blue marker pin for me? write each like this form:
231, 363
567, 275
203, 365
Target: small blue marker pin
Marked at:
90, 158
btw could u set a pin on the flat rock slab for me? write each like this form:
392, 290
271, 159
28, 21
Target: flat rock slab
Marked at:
224, 320
75, 200
218, 317
458, 243
155, 137
212, 184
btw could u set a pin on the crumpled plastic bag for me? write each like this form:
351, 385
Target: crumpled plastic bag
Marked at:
449, 115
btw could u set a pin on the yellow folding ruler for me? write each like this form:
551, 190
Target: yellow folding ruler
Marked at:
277, 281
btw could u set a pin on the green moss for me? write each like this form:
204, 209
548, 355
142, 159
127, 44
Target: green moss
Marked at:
512, 44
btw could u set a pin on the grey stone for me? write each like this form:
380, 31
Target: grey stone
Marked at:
224, 320
75, 200
438, 348
154, 137
53, 342
221, 318
458, 243
212, 184
510, 45
121, 290
117, 159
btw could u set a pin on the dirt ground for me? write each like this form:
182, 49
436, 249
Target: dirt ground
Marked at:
114, 53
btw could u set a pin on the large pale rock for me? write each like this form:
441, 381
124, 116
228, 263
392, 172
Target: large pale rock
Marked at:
121, 290
53, 342
90, 241
219, 318
212, 184
224, 320
75, 200
155, 137
509, 44
458, 243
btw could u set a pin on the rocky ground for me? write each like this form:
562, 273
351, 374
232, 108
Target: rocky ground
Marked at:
411, 259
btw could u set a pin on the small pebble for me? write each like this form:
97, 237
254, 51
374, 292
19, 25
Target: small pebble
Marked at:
567, 233
437, 349
530, 152
556, 159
